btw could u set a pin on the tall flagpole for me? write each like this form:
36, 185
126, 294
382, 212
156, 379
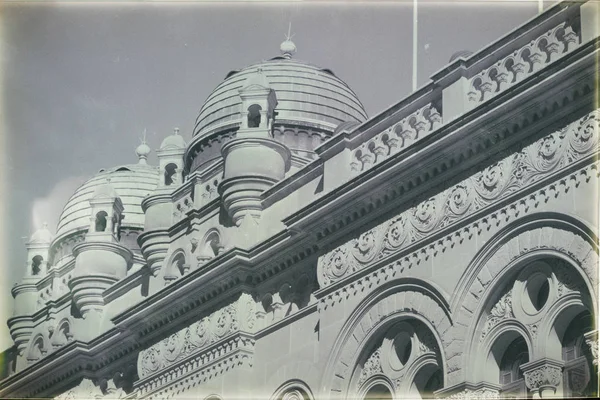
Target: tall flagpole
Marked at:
414, 75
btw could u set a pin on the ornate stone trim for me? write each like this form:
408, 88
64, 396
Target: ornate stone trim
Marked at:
371, 367
591, 338
221, 357
502, 310
542, 374
523, 62
514, 173
415, 126
238, 316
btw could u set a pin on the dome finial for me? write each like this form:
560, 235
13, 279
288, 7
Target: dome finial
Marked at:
143, 149
288, 48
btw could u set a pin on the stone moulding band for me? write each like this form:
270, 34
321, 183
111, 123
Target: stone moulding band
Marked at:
518, 172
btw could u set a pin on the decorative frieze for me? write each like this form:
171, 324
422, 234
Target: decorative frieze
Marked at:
523, 62
496, 182
410, 129
475, 394
236, 317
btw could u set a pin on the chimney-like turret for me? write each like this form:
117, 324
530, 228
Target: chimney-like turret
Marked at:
254, 161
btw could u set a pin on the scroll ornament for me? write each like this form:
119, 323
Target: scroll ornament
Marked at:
515, 172
238, 316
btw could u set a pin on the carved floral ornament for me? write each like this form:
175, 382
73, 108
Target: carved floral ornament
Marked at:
498, 181
239, 316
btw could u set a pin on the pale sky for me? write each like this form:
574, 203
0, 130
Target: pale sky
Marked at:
80, 83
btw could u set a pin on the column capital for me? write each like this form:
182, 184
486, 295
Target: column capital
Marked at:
542, 374
591, 338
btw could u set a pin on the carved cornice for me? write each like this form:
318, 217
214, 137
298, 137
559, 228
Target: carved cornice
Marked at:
238, 316
221, 356
473, 196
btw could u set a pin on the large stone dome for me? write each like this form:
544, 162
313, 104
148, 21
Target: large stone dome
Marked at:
306, 95
131, 182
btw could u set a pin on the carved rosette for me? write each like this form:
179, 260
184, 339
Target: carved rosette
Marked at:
542, 374
492, 181
396, 234
368, 244
425, 216
585, 133
334, 265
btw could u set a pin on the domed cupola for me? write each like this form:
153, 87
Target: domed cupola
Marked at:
132, 182
311, 103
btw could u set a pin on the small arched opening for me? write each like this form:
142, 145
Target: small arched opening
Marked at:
101, 219
508, 353
378, 391
36, 265
254, 116
170, 170
579, 374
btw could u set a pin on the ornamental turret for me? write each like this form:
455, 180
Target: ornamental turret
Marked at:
100, 260
26, 293
170, 161
254, 161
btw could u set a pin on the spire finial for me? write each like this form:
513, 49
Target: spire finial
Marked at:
143, 149
288, 48
176, 131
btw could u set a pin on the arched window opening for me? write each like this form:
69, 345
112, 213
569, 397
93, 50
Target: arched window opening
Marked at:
378, 392
101, 221
427, 381
36, 265
580, 379
170, 170
254, 116
179, 263
511, 376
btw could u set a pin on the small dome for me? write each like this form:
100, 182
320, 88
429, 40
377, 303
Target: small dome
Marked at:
132, 183
174, 141
42, 236
461, 54
307, 95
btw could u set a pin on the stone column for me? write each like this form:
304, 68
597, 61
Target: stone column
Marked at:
591, 338
543, 377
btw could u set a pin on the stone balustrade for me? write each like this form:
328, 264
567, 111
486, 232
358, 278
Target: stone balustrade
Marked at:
413, 127
523, 62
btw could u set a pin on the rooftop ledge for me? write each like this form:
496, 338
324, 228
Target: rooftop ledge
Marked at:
466, 83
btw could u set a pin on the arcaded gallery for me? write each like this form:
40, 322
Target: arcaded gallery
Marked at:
297, 249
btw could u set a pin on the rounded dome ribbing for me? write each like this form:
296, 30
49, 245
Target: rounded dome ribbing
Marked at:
130, 182
306, 95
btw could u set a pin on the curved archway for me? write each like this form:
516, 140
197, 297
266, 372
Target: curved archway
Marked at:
293, 390
177, 266
396, 301
523, 243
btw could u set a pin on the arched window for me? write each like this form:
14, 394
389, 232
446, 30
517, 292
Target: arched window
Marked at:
254, 116
511, 376
101, 221
378, 392
179, 263
36, 265
170, 170
580, 380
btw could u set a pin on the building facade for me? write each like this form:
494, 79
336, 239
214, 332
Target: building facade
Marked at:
297, 249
